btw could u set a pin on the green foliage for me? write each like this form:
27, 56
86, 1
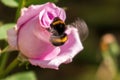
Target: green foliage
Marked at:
4, 28
15, 3
22, 76
10, 3
29, 2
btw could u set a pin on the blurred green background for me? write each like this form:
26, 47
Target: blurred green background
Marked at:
101, 16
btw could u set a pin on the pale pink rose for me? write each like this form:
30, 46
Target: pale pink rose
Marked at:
32, 39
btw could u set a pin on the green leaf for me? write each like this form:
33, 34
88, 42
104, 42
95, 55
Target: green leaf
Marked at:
22, 76
10, 3
4, 28
29, 2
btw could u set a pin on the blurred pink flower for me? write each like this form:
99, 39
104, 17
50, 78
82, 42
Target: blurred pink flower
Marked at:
33, 40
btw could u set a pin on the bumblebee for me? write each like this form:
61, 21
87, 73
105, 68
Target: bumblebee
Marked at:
58, 27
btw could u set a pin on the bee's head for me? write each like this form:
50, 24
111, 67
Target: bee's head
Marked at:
58, 26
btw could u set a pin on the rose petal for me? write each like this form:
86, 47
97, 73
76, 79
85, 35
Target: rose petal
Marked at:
12, 38
42, 63
30, 12
68, 51
73, 45
34, 41
47, 15
33, 10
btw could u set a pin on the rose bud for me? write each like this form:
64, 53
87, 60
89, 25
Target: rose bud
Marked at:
43, 38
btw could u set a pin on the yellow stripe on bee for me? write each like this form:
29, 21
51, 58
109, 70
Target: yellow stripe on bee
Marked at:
57, 22
61, 40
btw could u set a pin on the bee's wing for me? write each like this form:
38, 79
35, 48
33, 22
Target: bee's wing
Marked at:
82, 28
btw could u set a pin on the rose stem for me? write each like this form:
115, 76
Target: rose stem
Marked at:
20, 6
10, 67
4, 56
